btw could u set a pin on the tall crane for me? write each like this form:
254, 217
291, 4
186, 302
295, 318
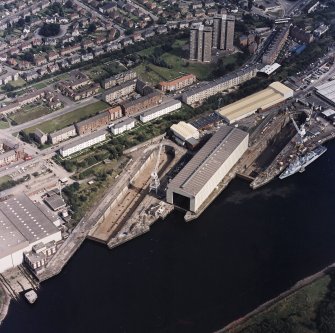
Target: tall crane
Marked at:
154, 184
301, 131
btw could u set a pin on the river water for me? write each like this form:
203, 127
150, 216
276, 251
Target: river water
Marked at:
245, 249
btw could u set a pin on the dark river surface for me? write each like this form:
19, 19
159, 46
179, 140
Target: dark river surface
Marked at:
245, 249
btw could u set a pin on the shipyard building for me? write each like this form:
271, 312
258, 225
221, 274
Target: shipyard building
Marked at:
274, 94
327, 92
199, 178
23, 225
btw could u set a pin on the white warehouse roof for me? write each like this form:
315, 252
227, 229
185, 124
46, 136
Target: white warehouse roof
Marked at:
22, 223
185, 131
269, 69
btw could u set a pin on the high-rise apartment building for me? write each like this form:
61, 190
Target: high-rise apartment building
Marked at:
201, 43
223, 34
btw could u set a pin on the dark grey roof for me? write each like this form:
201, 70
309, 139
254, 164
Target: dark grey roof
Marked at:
55, 202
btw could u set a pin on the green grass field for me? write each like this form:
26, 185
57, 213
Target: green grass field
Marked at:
18, 83
69, 118
96, 73
4, 179
177, 60
296, 311
30, 113
3, 124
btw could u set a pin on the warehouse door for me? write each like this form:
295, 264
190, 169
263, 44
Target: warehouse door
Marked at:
181, 201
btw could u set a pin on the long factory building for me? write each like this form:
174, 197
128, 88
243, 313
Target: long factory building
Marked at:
204, 91
199, 178
274, 94
23, 225
83, 143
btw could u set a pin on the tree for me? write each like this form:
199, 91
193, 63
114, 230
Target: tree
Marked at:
91, 28
50, 29
57, 8
21, 22
28, 56
7, 87
69, 4
129, 31
161, 20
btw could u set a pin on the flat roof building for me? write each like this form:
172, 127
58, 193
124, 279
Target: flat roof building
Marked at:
204, 91
82, 143
327, 91
22, 225
62, 134
274, 94
160, 110
198, 179
123, 126
184, 131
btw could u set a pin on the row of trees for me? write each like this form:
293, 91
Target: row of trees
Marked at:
11, 183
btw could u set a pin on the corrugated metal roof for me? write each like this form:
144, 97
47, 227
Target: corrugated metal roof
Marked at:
21, 223
194, 176
266, 98
327, 90
185, 130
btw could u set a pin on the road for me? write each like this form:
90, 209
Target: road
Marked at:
98, 14
154, 17
50, 116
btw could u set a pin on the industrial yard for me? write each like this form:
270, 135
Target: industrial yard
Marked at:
105, 149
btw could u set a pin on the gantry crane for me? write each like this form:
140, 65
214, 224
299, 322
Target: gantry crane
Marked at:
301, 131
154, 184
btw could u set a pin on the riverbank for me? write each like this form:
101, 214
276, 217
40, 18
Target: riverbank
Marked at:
297, 308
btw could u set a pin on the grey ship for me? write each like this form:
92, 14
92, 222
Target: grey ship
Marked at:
301, 162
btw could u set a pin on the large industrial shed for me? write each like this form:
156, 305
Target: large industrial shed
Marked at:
199, 178
274, 94
327, 91
23, 225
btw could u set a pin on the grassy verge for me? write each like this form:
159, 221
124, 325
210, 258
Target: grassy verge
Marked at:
83, 196
6, 182
69, 118
176, 60
295, 313
3, 124
310, 309
29, 113
17, 83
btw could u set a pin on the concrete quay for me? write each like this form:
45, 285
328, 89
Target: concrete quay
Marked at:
91, 219
80, 232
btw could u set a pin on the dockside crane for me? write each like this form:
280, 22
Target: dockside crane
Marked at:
301, 131
154, 184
